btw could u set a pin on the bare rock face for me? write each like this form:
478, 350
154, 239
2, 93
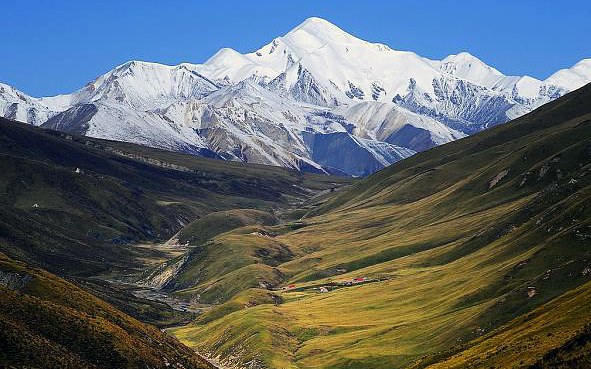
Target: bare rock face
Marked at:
74, 120
14, 280
497, 178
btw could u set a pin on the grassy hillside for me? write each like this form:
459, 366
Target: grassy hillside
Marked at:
73, 204
230, 264
453, 243
46, 322
216, 268
224, 266
555, 335
209, 226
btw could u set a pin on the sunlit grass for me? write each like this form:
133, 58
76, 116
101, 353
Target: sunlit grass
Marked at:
450, 257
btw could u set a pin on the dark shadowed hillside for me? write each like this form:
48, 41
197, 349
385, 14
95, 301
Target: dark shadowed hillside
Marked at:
73, 204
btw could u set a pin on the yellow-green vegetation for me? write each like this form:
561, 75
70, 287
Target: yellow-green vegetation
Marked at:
262, 339
574, 353
46, 322
534, 338
224, 266
205, 262
245, 299
455, 242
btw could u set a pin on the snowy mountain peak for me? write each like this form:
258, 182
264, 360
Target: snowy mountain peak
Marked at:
584, 62
465, 60
462, 56
522, 89
9, 92
466, 66
140, 85
227, 57
14, 104
321, 30
574, 77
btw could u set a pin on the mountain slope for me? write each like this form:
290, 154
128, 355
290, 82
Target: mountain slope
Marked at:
16, 105
76, 205
37, 308
376, 104
205, 262
572, 77
448, 245
554, 335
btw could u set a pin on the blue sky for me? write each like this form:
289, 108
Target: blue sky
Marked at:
51, 47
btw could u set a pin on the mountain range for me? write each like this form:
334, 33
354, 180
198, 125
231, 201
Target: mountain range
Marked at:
317, 99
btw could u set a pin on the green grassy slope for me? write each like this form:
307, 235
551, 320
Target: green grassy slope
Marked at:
79, 223
230, 264
555, 335
216, 268
209, 226
46, 322
456, 241
224, 266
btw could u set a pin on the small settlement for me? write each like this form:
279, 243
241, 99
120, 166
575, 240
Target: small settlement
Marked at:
331, 285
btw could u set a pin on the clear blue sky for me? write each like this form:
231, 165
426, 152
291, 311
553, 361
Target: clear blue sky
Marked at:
51, 47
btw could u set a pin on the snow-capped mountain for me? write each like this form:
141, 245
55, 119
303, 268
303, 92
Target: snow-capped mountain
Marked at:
18, 106
571, 78
315, 99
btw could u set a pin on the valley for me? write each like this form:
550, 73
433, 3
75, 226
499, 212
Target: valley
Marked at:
323, 202
428, 263
456, 242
